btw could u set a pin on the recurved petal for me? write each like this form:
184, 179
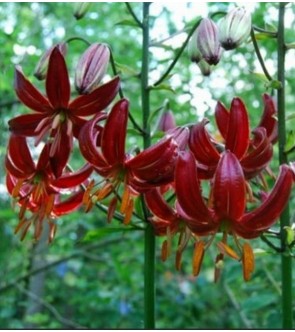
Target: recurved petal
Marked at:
57, 80
188, 190
260, 155
29, 95
158, 206
180, 135
19, 154
114, 133
229, 189
156, 162
264, 216
268, 119
25, 124
201, 145
73, 179
222, 119
97, 100
88, 142
69, 205
237, 140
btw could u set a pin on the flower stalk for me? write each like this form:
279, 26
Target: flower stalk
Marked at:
149, 237
286, 260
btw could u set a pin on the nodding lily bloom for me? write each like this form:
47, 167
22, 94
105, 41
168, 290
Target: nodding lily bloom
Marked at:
37, 190
55, 115
104, 149
225, 210
254, 154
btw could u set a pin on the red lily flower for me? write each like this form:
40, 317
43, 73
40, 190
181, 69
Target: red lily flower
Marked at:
104, 148
37, 190
254, 154
225, 209
55, 114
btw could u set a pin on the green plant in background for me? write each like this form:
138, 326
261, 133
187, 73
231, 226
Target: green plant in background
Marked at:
180, 182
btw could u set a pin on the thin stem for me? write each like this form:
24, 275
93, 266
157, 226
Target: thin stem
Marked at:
259, 56
286, 261
173, 63
270, 33
79, 39
136, 19
149, 238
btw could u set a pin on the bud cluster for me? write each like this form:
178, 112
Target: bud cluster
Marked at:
209, 39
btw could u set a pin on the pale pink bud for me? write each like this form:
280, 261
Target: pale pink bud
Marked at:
167, 121
42, 65
234, 28
91, 67
207, 41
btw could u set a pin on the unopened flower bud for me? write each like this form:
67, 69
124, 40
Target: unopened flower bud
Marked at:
234, 28
91, 68
167, 121
204, 67
41, 68
207, 41
81, 9
192, 48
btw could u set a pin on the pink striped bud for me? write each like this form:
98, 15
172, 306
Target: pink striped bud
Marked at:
167, 121
207, 41
91, 68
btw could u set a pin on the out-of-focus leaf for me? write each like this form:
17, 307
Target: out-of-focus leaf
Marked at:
97, 234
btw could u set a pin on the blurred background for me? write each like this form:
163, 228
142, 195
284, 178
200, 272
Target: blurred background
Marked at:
91, 276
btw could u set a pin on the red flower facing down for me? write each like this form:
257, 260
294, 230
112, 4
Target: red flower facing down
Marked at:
254, 154
225, 210
104, 149
36, 189
55, 115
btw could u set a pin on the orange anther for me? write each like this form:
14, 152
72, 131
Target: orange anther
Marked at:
198, 256
226, 250
248, 261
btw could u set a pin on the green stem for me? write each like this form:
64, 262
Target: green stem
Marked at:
136, 19
259, 56
149, 238
286, 260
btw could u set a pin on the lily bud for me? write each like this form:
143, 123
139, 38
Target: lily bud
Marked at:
41, 68
234, 28
167, 121
81, 9
91, 68
193, 51
207, 41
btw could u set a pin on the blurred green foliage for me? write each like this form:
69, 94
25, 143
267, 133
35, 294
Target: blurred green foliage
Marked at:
98, 283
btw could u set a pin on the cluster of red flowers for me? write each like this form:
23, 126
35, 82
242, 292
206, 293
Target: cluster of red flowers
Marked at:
179, 165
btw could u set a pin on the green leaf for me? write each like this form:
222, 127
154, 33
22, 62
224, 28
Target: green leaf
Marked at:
290, 141
97, 234
162, 86
128, 22
124, 69
260, 76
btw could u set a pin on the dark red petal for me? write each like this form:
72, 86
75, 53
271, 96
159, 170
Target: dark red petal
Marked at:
88, 143
97, 100
268, 120
43, 161
201, 145
260, 156
188, 190
25, 124
114, 133
69, 205
73, 179
222, 119
229, 189
156, 162
11, 168
158, 206
19, 154
237, 140
29, 95
180, 135
57, 81
266, 215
